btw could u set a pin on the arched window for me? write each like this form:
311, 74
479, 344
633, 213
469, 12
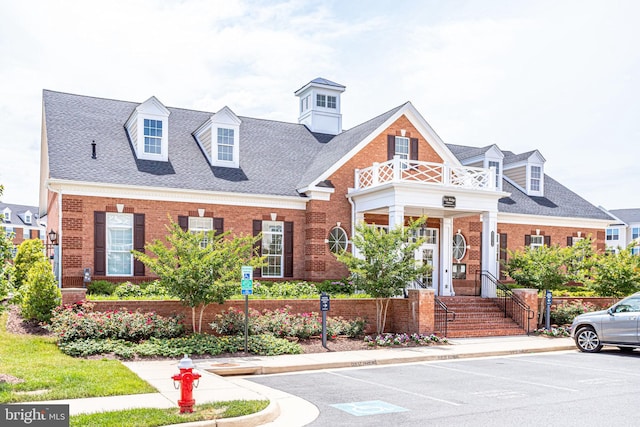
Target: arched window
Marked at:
459, 246
337, 240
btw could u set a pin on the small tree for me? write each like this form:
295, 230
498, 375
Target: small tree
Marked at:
5, 258
385, 263
40, 292
617, 275
29, 252
200, 274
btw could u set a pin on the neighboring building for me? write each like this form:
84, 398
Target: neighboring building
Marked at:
23, 222
624, 231
113, 172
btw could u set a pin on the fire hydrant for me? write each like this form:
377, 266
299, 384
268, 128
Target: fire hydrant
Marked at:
186, 379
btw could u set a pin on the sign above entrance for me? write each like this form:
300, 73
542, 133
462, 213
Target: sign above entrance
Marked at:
448, 201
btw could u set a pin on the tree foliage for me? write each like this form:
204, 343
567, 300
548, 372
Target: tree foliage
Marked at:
617, 275
40, 293
29, 252
384, 263
200, 274
5, 257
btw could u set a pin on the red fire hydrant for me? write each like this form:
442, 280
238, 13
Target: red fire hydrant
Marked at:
186, 379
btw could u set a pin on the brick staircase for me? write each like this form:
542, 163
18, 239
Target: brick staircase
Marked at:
478, 317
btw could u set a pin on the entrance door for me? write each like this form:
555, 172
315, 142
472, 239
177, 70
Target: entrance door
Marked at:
427, 253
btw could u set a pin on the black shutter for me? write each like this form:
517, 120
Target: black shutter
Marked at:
547, 240
288, 249
218, 225
138, 242
503, 256
391, 146
527, 240
99, 243
257, 229
413, 150
569, 241
183, 222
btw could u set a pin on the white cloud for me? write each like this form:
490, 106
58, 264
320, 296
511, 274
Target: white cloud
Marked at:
557, 76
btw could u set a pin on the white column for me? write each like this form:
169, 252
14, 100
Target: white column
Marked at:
446, 258
396, 216
489, 251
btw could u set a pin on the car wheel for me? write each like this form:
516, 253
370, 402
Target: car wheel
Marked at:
626, 349
587, 340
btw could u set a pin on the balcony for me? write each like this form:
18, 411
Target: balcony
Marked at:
401, 170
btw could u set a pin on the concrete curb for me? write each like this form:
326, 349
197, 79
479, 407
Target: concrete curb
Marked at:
268, 414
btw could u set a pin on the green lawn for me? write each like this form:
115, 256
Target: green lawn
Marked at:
163, 417
43, 367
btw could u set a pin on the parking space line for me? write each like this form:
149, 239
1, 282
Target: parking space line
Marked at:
574, 367
478, 374
448, 402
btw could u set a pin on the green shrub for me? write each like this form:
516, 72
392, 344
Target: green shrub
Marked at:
564, 314
77, 322
337, 287
285, 290
154, 288
101, 287
128, 290
40, 294
29, 252
282, 323
194, 345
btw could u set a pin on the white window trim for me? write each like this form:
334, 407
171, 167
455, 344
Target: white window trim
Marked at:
336, 242
197, 225
225, 119
612, 230
6, 213
265, 232
107, 228
530, 191
536, 244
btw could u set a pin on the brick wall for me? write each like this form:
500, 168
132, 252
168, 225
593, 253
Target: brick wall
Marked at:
413, 314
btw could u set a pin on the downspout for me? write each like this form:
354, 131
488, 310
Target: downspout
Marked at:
353, 222
59, 260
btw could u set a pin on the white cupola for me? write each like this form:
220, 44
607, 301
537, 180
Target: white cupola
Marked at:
320, 106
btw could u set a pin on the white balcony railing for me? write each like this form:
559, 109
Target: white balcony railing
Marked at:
400, 170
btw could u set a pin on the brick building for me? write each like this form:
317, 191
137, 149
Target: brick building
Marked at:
113, 172
22, 222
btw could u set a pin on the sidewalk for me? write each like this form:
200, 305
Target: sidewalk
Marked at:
218, 384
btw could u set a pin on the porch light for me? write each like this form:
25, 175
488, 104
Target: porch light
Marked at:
53, 236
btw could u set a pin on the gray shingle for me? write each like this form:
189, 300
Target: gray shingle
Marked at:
627, 215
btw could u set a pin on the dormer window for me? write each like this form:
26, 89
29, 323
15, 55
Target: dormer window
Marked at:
225, 144
152, 136
6, 214
536, 175
28, 216
148, 129
496, 166
219, 138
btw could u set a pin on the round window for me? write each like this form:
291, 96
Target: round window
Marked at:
337, 240
459, 246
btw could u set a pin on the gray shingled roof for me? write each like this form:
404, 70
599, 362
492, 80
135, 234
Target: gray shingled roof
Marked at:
557, 201
341, 144
463, 152
510, 157
276, 158
627, 215
273, 155
17, 213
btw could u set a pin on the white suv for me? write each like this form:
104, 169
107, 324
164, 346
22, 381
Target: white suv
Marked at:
618, 326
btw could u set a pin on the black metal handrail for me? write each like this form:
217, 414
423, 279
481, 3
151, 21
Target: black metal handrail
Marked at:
441, 316
510, 303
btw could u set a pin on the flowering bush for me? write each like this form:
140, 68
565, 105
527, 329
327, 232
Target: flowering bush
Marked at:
78, 321
386, 340
283, 323
564, 314
559, 332
128, 290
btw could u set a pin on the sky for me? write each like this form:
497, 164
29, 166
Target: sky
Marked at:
558, 76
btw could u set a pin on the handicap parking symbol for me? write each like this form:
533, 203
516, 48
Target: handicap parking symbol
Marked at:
371, 407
